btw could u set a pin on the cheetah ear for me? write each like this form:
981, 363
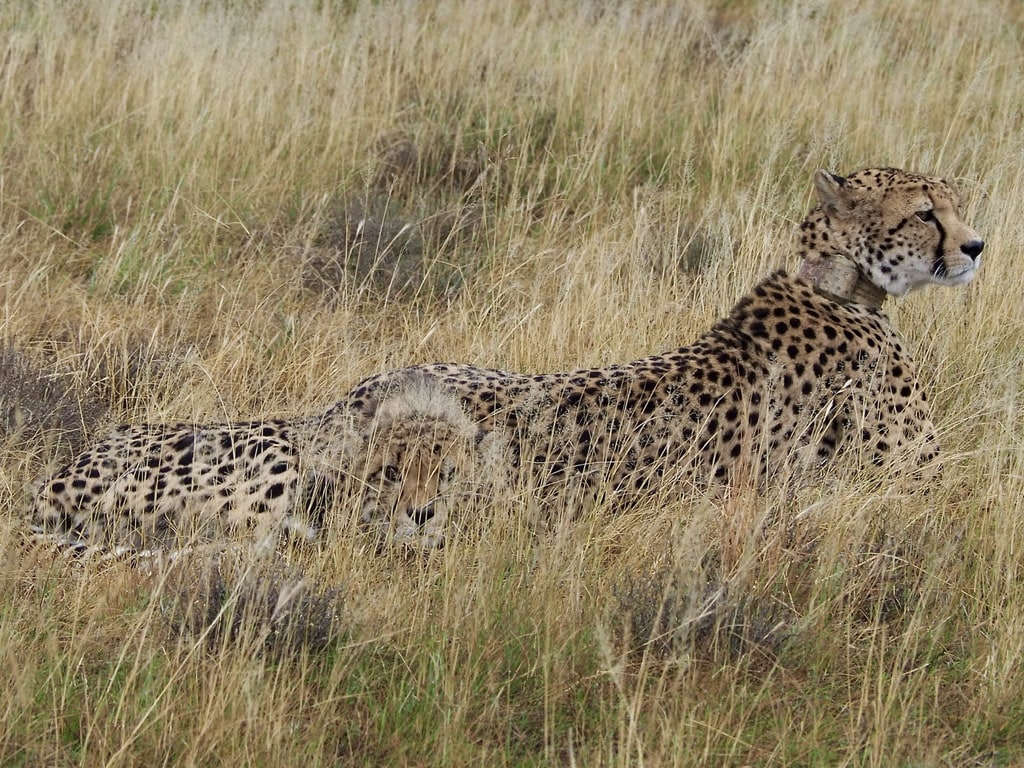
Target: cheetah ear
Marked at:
832, 192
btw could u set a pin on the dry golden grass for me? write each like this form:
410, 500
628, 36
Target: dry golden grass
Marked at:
556, 184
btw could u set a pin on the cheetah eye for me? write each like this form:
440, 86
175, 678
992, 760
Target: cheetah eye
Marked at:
391, 473
927, 215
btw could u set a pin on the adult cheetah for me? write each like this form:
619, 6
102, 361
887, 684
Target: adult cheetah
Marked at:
145, 487
804, 367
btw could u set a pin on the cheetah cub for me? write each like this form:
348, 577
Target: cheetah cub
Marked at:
159, 487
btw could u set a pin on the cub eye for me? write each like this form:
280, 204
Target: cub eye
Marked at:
928, 215
391, 473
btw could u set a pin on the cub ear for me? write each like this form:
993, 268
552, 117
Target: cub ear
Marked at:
833, 193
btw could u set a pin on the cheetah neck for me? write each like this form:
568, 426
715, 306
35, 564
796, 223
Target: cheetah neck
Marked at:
838, 278
827, 264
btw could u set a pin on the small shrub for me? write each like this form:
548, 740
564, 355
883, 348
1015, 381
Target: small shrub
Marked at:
368, 248
37, 399
237, 601
669, 614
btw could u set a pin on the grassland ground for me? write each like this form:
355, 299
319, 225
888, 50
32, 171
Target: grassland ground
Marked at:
223, 210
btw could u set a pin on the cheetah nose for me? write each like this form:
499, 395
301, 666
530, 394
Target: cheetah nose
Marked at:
421, 515
973, 248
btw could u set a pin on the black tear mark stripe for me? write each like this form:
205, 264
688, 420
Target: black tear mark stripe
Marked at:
939, 268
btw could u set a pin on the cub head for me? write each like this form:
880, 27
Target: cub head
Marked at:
418, 457
902, 230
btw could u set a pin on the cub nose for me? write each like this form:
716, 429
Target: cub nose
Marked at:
973, 248
422, 514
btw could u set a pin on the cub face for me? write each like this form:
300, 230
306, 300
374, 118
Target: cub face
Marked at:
410, 478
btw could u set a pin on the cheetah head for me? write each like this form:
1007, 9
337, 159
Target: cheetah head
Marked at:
418, 457
902, 230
